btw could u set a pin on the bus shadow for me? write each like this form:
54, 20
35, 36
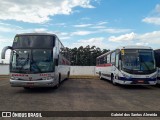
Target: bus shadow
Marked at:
157, 86
130, 87
43, 89
135, 87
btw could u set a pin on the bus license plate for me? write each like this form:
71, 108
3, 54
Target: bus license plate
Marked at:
30, 84
140, 81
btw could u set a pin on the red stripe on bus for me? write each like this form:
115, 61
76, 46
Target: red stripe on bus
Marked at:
104, 65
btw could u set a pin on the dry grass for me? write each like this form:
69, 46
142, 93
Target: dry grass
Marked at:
4, 77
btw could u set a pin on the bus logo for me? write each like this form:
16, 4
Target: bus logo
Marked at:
30, 78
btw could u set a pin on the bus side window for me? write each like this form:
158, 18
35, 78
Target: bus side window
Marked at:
105, 60
101, 61
108, 58
113, 58
117, 60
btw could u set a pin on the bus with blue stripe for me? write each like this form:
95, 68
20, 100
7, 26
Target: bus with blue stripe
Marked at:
128, 65
157, 57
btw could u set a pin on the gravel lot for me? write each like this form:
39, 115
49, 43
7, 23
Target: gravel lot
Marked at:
80, 95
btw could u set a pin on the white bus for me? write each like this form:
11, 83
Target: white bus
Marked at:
157, 57
37, 60
128, 65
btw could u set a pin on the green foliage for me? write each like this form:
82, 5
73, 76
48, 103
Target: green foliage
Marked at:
85, 56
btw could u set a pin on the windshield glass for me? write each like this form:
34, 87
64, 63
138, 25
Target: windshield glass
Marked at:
20, 60
138, 60
42, 61
36, 60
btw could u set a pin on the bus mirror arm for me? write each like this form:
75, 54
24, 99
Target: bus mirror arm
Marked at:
56, 62
4, 51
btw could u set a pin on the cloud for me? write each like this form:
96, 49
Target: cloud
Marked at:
98, 27
81, 33
152, 20
36, 11
40, 30
150, 37
102, 23
142, 44
5, 40
16, 29
85, 18
122, 38
155, 17
64, 37
82, 25
92, 40
98, 42
114, 30
5, 27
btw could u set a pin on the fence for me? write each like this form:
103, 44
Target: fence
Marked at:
75, 70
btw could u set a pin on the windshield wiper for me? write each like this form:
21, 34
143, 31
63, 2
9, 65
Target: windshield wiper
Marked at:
26, 60
33, 62
145, 64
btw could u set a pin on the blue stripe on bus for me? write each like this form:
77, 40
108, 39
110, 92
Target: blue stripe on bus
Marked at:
133, 79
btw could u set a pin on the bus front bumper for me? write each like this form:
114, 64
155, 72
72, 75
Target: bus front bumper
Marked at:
36, 83
137, 81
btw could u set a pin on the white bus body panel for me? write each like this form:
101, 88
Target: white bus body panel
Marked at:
126, 78
33, 80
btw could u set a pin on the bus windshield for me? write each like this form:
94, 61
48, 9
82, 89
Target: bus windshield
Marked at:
34, 61
138, 60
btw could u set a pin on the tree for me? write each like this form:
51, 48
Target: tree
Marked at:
85, 56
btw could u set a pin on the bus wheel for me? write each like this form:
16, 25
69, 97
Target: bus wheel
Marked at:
59, 81
113, 80
26, 88
68, 75
100, 76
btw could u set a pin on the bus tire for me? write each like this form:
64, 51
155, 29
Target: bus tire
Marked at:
59, 81
100, 76
113, 80
68, 75
26, 88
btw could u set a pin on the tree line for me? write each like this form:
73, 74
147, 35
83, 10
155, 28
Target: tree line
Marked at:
85, 56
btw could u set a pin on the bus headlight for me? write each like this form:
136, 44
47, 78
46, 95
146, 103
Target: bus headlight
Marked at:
127, 76
14, 78
154, 76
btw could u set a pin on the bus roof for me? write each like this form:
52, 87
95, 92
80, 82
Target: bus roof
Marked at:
134, 47
126, 47
21, 34
23, 41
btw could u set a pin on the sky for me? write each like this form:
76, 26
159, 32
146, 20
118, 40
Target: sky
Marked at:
104, 23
